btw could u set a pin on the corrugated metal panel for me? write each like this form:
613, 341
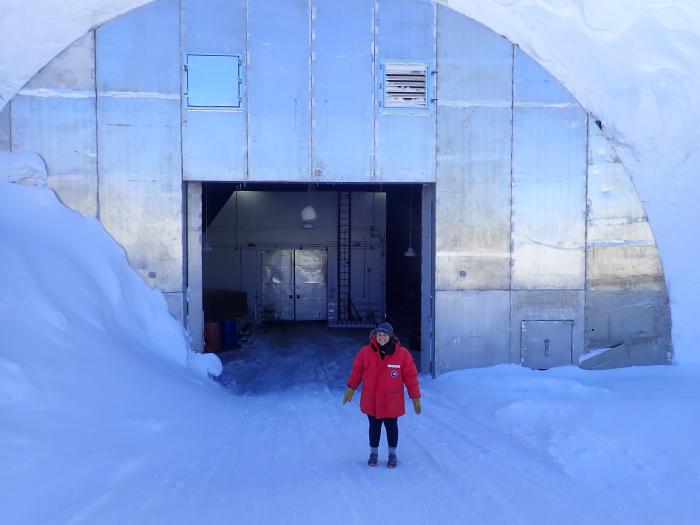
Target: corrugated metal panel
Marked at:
5, 135
279, 90
533, 84
405, 143
343, 90
474, 128
214, 142
547, 305
549, 198
138, 79
63, 131
471, 329
73, 69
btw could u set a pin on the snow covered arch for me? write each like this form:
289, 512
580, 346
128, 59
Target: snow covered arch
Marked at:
643, 91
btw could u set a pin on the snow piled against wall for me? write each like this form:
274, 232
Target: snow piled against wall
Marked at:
66, 287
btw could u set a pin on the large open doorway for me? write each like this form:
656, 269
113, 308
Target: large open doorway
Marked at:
273, 256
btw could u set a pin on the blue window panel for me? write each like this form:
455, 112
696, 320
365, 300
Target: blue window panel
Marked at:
213, 81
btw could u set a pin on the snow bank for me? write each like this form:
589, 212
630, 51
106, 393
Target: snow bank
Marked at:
66, 284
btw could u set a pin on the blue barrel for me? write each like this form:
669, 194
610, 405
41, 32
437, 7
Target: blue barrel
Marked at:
228, 333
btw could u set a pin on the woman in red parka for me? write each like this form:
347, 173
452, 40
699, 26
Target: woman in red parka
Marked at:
384, 367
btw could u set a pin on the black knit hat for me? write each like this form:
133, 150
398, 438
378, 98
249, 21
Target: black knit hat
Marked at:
385, 328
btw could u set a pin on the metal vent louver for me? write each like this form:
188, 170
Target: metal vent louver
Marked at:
405, 85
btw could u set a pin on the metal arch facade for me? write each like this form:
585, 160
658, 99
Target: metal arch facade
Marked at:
508, 149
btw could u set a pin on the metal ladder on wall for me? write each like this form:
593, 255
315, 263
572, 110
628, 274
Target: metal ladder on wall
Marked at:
345, 311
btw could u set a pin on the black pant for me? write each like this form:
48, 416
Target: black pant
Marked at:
375, 430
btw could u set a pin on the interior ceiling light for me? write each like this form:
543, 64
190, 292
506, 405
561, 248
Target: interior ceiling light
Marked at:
308, 214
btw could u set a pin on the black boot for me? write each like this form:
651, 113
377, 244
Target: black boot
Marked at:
373, 458
392, 461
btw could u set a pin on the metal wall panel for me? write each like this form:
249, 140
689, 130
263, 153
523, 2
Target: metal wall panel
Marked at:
471, 329
475, 64
5, 127
547, 305
214, 142
140, 185
279, 90
63, 131
54, 115
639, 320
474, 132
549, 198
626, 297
473, 199
213, 26
624, 267
405, 144
533, 84
176, 305
72, 70
138, 54
427, 286
615, 211
195, 288
138, 107
343, 90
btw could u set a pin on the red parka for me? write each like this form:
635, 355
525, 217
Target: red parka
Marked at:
383, 380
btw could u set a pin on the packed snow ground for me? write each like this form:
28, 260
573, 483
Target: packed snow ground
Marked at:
105, 417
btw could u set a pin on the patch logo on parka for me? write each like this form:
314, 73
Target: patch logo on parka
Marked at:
394, 373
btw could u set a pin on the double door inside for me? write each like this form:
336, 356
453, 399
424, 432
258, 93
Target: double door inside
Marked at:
294, 286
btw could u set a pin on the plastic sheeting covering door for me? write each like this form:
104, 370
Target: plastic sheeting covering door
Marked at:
278, 285
294, 285
311, 303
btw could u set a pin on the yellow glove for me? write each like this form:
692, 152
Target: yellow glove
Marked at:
347, 396
416, 405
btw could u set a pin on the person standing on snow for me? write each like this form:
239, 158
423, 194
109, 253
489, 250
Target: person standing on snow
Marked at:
384, 367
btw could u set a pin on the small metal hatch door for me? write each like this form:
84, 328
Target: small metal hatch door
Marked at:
546, 344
